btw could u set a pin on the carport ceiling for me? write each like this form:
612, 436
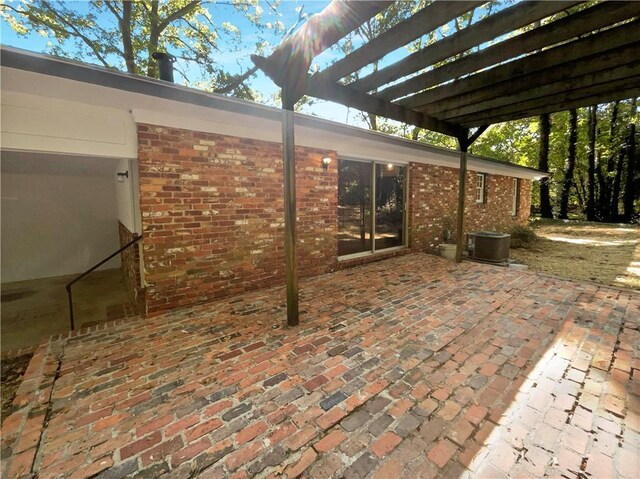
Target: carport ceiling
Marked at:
516, 61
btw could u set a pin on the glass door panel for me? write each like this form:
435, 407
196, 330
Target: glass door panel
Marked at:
390, 192
354, 207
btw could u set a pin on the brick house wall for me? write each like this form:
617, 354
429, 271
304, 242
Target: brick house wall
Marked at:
130, 265
212, 214
433, 200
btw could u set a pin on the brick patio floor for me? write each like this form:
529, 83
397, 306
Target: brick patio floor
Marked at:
409, 367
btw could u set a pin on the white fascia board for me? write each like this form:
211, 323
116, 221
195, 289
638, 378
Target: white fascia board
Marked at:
256, 122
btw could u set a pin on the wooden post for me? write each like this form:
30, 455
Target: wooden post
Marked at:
290, 244
464, 141
462, 186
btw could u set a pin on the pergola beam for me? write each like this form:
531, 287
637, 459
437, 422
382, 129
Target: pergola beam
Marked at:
593, 95
624, 94
613, 38
429, 18
362, 101
525, 83
493, 26
629, 70
289, 63
564, 29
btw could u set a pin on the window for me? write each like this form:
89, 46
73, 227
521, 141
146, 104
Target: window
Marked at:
481, 181
371, 206
516, 197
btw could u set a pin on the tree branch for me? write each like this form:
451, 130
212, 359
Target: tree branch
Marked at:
78, 34
237, 82
205, 38
113, 9
179, 13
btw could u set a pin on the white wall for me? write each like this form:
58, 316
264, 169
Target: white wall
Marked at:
59, 215
41, 123
127, 193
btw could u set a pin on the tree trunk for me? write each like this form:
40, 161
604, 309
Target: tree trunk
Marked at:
602, 187
612, 136
569, 165
615, 191
373, 121
629, 183
543, 165
591, 171
581, 192
127, 42
154, 39
605, 193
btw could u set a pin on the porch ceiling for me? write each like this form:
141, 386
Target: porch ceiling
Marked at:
516, 62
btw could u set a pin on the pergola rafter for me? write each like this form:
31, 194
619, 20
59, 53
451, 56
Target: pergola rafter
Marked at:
537, 97
558, 31
492, 27
571, 54
559, 57
427, 19
561, 72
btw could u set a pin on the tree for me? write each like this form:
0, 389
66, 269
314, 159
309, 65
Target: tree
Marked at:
570, 164
591, 169
608, 175
124, 34
543, 165
629, 183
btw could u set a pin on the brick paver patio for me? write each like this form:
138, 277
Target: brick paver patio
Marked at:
409, 367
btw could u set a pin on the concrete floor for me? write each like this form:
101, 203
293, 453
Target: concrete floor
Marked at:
35, 309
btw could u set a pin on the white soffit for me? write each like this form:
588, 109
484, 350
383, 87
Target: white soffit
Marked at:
84, 118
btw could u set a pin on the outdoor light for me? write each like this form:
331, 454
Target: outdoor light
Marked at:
390, 166
122, 176
326, 161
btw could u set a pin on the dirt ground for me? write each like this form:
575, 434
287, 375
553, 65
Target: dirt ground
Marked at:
12, 371
599, 252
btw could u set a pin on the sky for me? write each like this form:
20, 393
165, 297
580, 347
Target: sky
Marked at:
235, 58
232, 61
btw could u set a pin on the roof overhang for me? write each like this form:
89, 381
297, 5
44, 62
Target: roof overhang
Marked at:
148, 100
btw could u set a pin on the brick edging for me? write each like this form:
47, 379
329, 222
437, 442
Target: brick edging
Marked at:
22, 430
13, 353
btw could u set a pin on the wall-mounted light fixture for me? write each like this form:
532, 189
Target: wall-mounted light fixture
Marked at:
326, 161
122, 176
390, 166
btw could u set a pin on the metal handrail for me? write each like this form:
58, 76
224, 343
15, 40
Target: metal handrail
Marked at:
79, 277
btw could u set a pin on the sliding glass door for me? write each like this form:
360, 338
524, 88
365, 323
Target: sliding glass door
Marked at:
364, 187
354, 207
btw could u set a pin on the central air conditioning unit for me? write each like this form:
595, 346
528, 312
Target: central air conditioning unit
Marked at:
489, 246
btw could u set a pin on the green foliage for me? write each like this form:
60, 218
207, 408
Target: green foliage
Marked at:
518, 142
124, 35
522, 237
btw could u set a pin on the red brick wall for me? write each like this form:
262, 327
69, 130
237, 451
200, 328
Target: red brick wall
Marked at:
130, 265
433, 199
212, 214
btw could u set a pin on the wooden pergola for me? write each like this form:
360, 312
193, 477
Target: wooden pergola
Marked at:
461, 83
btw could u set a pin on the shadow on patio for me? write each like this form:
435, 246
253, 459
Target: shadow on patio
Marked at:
408, 367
